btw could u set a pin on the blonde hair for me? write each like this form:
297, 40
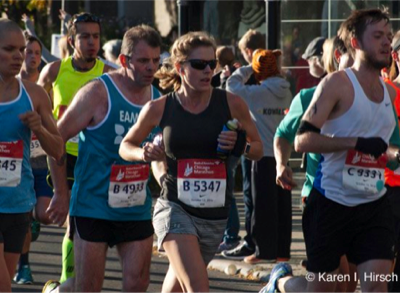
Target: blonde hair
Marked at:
394, 72
328, 55
180, 51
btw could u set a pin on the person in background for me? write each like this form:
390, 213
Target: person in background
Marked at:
271, 220
112, 49
250, 41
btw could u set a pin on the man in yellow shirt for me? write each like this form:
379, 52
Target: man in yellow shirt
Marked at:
62, 79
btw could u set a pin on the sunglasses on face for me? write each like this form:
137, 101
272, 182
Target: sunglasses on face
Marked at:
86, 18
200, 64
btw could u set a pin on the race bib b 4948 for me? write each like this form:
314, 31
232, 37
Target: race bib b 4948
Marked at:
128, 185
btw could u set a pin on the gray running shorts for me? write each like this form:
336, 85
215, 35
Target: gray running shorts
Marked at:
170, 217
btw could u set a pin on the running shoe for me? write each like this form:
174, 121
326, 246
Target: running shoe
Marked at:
279, 271
224, 246
23, 275
239, 253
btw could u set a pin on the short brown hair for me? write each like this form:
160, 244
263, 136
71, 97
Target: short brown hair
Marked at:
7, 25
83, 17
356, 24
253, 40
140, 33
30, 39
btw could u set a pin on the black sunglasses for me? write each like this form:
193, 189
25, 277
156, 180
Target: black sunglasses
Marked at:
200, 64
86, 18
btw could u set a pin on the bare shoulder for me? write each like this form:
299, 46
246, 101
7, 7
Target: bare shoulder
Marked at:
236, 104
37, 94
335, 86
93, 90
50, 71
335, 79
157, 106
108, 69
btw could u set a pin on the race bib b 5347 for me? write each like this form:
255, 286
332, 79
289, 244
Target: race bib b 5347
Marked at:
202, 182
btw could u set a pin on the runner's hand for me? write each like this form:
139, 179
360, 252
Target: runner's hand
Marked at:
152, 152
33, 120
227, 140
58, 208
284, 177
375, 146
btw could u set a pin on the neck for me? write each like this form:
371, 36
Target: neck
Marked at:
189, 95
5, 81
369, 73
81, 65
137, 94
29, 74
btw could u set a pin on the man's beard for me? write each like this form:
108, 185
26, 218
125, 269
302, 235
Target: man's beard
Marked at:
90, 59
374, 63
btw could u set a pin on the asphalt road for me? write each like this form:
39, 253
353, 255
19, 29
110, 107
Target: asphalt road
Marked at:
45, 258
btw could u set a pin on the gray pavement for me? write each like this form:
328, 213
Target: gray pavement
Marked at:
45, 258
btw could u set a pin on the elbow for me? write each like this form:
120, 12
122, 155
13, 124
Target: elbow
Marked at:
259, 153
299, 144
124, 150
121, 151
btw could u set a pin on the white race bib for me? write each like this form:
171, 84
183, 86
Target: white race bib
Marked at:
202, 182
11, 157
36, 148
362, 172
128, 185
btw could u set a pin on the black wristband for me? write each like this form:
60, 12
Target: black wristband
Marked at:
375, 146
240, 143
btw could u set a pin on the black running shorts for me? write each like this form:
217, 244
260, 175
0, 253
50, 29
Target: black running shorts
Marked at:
111, 232
363, 232
13, 229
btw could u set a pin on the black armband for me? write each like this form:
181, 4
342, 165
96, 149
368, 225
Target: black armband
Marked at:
307, 127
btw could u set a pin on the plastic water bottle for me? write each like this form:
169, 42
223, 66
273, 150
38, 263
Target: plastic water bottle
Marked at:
231, 125
158, 140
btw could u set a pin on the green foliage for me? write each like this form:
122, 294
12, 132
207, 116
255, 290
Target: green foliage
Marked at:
18, 7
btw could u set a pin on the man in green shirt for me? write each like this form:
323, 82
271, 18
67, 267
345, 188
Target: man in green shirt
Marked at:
287, 130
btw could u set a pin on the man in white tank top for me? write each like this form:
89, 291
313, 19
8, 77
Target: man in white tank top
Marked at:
347, 212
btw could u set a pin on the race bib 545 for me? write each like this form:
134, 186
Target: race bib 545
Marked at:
11, 157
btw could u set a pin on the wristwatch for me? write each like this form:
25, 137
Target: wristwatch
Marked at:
248, 146
398, 156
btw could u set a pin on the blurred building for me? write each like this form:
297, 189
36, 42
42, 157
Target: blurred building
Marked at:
288, 24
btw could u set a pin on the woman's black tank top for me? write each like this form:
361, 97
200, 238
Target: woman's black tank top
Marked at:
189, 136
